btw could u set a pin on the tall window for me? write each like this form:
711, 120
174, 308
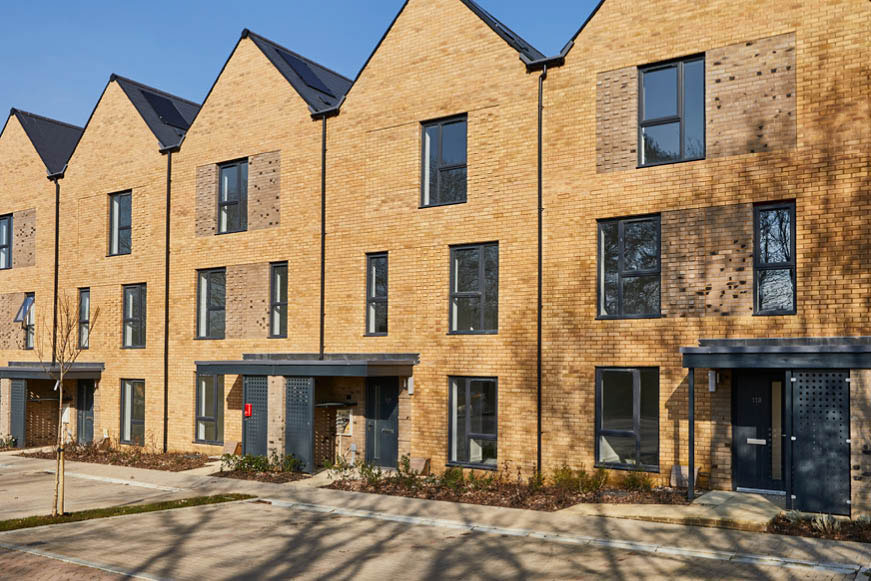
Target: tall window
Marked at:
233, 197
774, 259
211, 303
444, 162
27, 317
84, 318
134, 316
629, 268
133, 411
210, 409
278, 301
6, 242
473, 421
120, 220
671, 116
376, 294
627, 418
475, 288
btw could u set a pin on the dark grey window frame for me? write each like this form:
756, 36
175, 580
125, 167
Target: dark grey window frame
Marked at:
482, 288
113, 226
276, 302
642, 123
636, 420
628, 274
467, 379
208, 336
26, 316
440, 123
6, 245
243, 198
142, 297
85, 320
132, 419
789, 265
373, 299
218, 386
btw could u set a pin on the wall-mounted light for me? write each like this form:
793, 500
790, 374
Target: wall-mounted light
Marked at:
409, 383
713, 380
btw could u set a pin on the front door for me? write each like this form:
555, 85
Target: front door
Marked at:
255, 394
85, 411
757, 431
382, 421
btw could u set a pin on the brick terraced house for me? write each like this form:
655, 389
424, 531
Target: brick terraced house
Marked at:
648, 252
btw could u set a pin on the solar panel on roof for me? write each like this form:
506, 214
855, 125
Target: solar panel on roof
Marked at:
307, 75
166, 110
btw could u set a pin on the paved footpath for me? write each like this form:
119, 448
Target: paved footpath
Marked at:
313, 533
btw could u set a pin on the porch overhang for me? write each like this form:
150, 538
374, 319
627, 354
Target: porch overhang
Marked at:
31, 370
308, 365
801, 353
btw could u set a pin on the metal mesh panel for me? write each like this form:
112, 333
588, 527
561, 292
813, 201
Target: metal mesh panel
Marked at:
299, 420
821, 451
255, 427
18, 401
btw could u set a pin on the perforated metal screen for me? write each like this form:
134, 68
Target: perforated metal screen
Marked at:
254, 428
19, 403
299, 422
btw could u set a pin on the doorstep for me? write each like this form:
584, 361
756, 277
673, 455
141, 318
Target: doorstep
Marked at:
718, 508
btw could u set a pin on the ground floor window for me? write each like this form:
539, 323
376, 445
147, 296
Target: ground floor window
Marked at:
473, 421
627, 418
133, 412
210, 409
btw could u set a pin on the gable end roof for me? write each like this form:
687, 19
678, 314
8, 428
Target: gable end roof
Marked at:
53, 140
513, 39
167, 115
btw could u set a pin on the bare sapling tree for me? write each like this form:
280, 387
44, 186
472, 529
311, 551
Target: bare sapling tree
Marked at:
58, 350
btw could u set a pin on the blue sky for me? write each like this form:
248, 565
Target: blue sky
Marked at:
58, 54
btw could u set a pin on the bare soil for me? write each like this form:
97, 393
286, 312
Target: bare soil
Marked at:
273, 477
171, 461
511, 495
847, 531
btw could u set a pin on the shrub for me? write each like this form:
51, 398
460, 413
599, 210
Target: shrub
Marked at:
637, 481
371, 474
536, 482
341, 469
246, 463
826, 524
452, 478
7, 442
481, 482
566, 479
593, 482
405, 476
793, 516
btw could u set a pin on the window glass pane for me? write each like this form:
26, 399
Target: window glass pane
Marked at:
230, 183
467, 314
124, 210
617, 449
482, 451
660, 93
775, 236
219, 411
216, 324
640, 245
131, 302
775, 290
466, 275
694, 109
377, 317
279, 320
617, 401
279, 283
128, 334
243, 180
660, 143
641, 295
459, 447
431, 165
137, 434
217, 290
202, 303
453, 185
649, 417
127, 410
454, 143
4, 230
231, 218
4, 257
482, 394
201, 430
125, 245
207, 396
84, 305
609, 249
84, 336
491, 273
139, 401
378, 276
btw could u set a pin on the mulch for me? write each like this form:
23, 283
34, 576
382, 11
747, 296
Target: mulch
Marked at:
273, 477
510, 495
170, 462
847, 531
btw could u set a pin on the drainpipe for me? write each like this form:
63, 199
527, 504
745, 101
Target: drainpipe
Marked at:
56, 177
168, 151
323, 231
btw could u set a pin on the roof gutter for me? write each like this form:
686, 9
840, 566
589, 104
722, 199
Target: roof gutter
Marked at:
551, 61
328, 112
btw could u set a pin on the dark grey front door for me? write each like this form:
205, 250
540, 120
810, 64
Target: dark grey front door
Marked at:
255, 395
299, 421
382, 421
19, 410
757, 430
85, 411
821, 450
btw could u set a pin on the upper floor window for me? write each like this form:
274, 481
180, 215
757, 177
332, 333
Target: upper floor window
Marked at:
27, 317
6, 241
774, 259
475, 288
444, 162
376, 294
233, 197
84, 318
211, 303
134, 315
629, 268
671, 116
278, 301
120, 220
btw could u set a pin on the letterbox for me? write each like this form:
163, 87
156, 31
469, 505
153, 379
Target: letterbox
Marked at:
248, 409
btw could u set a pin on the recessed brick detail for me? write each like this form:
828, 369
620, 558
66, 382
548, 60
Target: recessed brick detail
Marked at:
24, 238
751, 100
40, 413
617, 119
247, 300
11, 333
264, 190
207, 200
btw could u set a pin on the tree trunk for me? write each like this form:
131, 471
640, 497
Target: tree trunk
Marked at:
60, 389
